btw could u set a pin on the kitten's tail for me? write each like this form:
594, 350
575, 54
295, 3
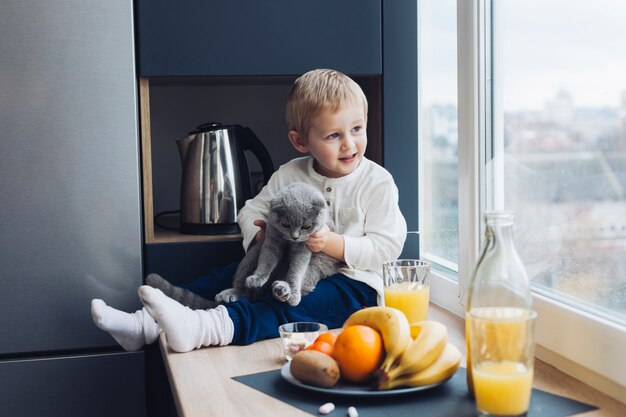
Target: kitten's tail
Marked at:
183, 296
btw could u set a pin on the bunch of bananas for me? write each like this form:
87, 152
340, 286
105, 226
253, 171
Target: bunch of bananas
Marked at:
417, 354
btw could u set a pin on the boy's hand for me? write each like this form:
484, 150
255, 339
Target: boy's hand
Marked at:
260, 235
327, 242
318, 240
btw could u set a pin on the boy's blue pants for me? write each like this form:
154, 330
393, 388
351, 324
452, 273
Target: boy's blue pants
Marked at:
331, 303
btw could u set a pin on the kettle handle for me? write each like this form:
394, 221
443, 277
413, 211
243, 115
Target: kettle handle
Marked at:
251, 142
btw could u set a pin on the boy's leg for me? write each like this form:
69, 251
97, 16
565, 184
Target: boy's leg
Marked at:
332, 302
242, 322
134, 330
187, 329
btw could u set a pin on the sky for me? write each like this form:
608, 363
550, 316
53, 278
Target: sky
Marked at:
541, 47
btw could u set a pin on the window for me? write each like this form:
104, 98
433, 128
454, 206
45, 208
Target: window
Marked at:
557, 156
560, 132
541, 127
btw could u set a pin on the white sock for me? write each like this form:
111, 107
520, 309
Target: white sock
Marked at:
187, 329
130, 330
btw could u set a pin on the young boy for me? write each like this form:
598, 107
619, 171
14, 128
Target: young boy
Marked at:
327, 118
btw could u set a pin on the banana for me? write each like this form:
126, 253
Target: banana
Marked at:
392, 325
431, 339
444, 367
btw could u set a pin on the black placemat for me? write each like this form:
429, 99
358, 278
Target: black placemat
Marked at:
448, 400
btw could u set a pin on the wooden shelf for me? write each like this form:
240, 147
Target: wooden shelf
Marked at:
152, 233
146, 159
169, 236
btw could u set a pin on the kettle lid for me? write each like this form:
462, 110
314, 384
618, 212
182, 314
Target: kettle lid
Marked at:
209, 127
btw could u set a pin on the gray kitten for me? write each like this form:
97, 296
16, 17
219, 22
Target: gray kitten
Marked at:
281, 263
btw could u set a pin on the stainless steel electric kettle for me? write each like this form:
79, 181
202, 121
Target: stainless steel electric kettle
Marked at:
215, 181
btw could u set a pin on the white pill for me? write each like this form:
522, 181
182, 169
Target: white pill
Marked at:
327, 408
352, 412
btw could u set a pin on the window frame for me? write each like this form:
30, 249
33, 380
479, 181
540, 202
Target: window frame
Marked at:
588, 347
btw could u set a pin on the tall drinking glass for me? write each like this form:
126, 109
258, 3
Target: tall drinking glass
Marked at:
407, 287
502, 352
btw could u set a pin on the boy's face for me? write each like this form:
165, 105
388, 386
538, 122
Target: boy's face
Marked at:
336, 141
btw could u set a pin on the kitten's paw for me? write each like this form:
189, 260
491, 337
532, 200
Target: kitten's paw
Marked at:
255, 281
295, 298
281, 291
228, 296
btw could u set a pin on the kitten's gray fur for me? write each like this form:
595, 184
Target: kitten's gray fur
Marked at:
281, 263
182, 295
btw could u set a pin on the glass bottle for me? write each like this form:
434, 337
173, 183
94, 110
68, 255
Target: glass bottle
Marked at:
499, 278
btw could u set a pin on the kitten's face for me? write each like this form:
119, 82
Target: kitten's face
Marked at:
297, 212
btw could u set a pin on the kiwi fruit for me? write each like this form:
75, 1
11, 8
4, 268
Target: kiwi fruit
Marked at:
315, 368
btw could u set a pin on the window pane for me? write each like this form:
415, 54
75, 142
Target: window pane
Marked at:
438, 159
560, 145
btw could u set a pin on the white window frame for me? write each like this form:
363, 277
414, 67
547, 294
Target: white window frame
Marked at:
585, 346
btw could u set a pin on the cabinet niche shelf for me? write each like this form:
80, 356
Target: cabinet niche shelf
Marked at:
152, 233
176, 87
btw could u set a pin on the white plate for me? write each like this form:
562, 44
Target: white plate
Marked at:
347, 389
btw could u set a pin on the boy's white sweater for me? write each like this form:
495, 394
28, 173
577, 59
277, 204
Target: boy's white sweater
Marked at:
364, 208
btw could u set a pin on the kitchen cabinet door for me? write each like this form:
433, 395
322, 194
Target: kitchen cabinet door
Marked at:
96, 385
251, 37
400, 111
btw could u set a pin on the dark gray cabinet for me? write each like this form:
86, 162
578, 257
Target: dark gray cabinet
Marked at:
104, 385
399, 105
70, 216
251, 37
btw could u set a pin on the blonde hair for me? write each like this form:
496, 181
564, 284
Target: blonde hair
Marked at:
320, 90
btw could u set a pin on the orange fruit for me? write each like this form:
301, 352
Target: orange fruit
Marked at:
324, 343
327, 337
359, 352
321, 346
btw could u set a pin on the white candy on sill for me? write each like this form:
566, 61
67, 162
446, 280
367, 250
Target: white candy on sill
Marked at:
327, 408
352, 412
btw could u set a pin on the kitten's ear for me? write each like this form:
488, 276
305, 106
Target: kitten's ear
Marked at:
319, 205
298, 142
276, 204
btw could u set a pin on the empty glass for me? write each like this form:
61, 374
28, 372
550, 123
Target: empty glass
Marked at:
299, 335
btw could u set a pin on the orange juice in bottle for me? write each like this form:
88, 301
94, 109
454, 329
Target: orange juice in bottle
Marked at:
499, 278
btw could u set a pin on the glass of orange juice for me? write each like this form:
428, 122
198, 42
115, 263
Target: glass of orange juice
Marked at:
502, 352
407, 287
